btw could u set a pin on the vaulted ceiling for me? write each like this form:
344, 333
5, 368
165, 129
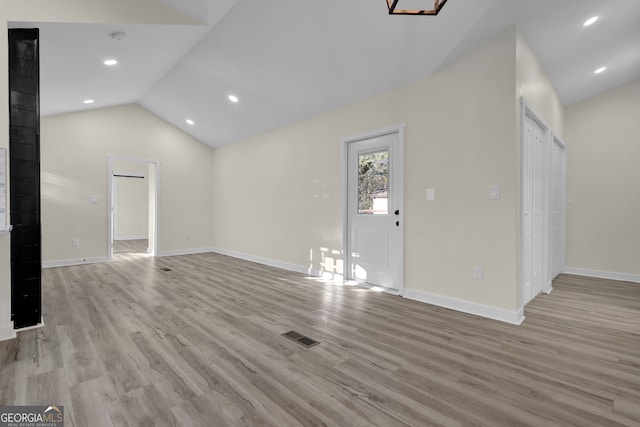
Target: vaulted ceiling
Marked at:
290, 59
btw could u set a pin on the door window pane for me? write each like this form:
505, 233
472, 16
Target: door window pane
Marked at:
373, 183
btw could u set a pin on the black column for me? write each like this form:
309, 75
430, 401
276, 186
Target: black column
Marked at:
24, 178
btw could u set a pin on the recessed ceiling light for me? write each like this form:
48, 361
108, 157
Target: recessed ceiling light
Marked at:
233, 98
590, 21
600, 70
89, 101
190, 122
110, 62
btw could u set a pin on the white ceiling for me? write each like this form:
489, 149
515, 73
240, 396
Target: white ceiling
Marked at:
290, 59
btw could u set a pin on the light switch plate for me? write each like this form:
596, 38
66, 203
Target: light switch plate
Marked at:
494, 192
431, 193
93, 200
478, 272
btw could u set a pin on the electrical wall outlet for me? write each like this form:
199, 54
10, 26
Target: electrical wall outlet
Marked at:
75, 243
478, 272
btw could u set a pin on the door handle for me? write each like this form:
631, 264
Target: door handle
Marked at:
397, 212
397, 223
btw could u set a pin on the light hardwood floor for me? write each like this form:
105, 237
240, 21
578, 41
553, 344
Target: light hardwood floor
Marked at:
127, 344
130, 246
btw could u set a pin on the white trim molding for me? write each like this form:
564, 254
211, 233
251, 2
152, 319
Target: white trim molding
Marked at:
515, 317
140, 237
600, 274
154, 197
527, 111
70, 262
10, 333
28, 328
7, 334
268, 261
562, 249
398, 128
191, 251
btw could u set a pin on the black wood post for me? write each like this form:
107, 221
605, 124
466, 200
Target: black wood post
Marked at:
24, 178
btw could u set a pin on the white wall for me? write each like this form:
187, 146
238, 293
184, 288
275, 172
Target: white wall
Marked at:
603, 178
284, 202
74, 150
131, 201
102, 11
533, 83
141, 11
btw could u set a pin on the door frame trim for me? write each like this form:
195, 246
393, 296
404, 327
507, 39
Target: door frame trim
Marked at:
344, 142
556, 140
526, 110
111, 159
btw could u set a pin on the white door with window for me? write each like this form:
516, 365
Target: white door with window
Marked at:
374, 236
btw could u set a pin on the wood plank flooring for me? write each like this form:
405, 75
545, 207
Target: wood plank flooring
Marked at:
130, 246
127, 344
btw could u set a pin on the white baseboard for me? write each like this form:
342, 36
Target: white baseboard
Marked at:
191, 251
514, 317
28, 328
143, 237
7, 334
624, 277
10, 333
270, 262
69, 262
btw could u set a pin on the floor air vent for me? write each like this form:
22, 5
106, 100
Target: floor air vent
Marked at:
165, 269
300, 339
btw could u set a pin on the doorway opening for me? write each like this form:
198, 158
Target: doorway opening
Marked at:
558, 206
133, 216
373, 221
